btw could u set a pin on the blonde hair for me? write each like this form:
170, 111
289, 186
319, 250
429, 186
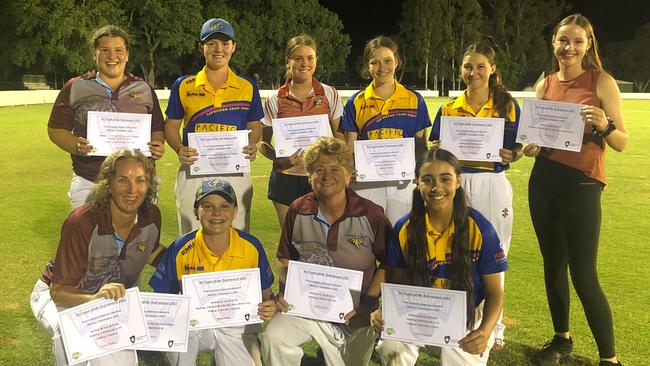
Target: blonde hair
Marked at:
109, 31
331, 147
292, 45
592, 58
101, 194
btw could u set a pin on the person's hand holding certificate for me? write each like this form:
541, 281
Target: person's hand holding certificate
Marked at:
384, 159
293, 133
224, 298
423, 315
167, 319
321, 292
112, 131
551, 124
219, 152
472, 139
103, 326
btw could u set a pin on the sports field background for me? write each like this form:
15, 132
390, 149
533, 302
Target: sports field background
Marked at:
33, 197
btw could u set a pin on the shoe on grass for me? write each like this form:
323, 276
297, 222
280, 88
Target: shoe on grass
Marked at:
553, 351
609, 363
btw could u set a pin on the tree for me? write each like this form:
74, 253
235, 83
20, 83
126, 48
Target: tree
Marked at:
420, 34
162, 30
264, 27
630, 59
57, 33
521, 29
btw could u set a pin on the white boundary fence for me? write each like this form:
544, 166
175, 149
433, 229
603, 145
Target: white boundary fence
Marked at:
25, 97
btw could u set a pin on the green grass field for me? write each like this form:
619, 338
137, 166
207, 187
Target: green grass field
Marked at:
35, 203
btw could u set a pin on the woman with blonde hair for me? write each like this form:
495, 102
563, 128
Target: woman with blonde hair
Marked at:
301, 95
565, 187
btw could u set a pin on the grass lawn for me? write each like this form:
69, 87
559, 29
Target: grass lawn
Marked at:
34, 204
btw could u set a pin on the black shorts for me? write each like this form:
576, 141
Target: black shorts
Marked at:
285, 188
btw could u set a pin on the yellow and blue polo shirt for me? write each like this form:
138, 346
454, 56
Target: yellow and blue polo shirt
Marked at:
402, 115
458, 107
204, 109
485, 250
190, 255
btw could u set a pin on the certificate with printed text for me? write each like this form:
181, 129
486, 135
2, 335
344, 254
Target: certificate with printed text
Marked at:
167, 319
219, 152
322, 292
472, 139
384, 159
224, 298
112, 131
103, 326
551, 124
293, 133
423, 315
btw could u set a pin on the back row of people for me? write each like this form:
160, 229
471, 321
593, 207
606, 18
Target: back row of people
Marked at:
218, 99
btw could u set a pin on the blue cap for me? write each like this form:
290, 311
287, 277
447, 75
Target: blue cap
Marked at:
216, 186
214, 26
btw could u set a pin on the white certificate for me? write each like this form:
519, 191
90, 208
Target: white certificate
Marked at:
167, 319
103, 326
551, 124
112, 131
219, 152
384, 159
472, 139
322, 292
293, 133
224, 298
423, 315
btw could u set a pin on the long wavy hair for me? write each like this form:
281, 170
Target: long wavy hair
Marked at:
500, 96
101, 194
417, 253
292, 45
592, 57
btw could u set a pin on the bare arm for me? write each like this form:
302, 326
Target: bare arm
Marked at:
255, 135
157, 144
186, 155
610, 98
420, 143
350, 138
532, 150
70, 296
335, 126
68, 142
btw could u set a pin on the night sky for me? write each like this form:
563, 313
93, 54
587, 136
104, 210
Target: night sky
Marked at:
613, 20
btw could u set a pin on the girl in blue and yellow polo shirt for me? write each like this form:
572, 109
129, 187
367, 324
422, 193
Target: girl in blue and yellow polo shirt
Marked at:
486, 184
385, 110
443, 243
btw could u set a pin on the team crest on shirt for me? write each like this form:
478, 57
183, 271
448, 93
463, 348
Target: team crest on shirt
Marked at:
357, 241
318, 101
135, 95
141, 247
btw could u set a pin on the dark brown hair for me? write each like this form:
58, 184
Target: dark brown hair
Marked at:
371, 46
417, 253
500, 96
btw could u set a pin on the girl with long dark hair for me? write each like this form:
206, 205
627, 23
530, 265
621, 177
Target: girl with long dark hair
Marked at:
443, 243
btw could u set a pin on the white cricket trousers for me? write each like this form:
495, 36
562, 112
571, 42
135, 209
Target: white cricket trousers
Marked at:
229, 346
491, 194
398, 353
395, 197
283, 335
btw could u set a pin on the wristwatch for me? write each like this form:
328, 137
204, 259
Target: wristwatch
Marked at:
611, 126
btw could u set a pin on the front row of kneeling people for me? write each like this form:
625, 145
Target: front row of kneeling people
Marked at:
449, 230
